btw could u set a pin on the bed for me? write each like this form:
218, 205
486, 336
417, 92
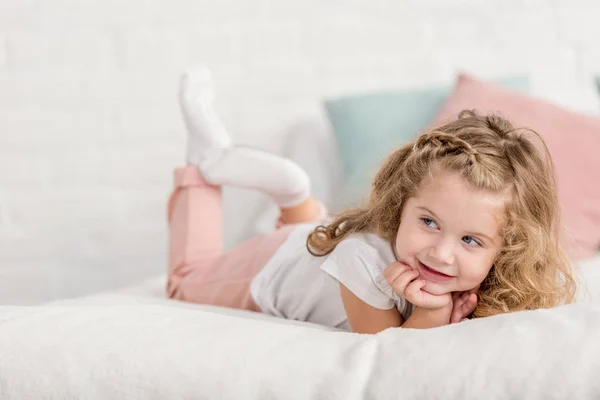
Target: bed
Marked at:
136, 344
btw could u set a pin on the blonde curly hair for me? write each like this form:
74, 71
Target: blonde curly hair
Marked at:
532, 270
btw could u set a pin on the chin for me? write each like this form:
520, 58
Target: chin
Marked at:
435, 289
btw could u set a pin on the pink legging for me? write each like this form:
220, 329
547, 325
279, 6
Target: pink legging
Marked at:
198, 270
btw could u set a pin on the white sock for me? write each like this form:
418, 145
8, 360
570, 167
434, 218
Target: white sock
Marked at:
205, 130
210, 148
282, 179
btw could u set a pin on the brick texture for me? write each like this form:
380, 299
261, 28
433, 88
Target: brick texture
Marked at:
90, 127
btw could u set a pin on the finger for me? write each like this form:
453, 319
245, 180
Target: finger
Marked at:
461, 299
471, 300
455, 297
464, 319
456, 315
469, 306
475, 289
434, 300
393, 271
414, 287
400, 275
458, 307
395, 268
400, 283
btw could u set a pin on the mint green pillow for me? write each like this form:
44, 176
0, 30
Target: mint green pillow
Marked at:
368, 127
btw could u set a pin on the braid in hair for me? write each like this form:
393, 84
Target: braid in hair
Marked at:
442, 144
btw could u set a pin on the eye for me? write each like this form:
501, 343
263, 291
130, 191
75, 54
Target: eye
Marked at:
471, 241
429, 222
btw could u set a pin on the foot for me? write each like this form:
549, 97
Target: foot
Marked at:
210, 148
206, 134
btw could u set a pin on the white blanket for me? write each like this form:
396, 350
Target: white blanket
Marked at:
129, 346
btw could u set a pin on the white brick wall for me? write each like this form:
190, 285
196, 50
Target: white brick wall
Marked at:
90, 127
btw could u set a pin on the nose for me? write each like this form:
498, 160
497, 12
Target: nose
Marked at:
443, 251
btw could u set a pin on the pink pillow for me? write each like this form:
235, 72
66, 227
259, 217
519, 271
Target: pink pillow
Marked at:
573, 140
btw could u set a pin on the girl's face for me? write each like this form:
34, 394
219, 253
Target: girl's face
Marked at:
450, 233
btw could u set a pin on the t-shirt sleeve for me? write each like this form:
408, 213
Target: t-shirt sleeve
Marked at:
355, 265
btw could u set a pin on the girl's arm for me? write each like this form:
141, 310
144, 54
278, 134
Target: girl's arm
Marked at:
425, 318
364, 318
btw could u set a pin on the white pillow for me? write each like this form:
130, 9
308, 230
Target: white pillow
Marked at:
136, 344
179, 350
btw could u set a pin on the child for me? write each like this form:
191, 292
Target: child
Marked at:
462, 221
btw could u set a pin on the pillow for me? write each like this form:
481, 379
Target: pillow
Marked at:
368, 127
573, 140
184, 351
574, 94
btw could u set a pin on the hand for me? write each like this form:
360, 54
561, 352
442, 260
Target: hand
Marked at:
463, 304
403, 279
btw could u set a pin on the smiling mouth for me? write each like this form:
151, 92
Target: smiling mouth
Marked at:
433, 274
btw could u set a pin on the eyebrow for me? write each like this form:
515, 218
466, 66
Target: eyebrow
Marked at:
468, 233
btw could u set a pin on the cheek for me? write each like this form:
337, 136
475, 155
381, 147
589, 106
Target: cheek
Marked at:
401, 241
410, 241
478, 269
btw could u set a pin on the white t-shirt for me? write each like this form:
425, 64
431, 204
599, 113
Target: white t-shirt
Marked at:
299, 286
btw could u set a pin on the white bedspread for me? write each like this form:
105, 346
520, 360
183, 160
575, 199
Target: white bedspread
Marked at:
136, 345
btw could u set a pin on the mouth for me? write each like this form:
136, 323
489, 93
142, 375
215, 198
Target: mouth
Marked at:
433, 275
